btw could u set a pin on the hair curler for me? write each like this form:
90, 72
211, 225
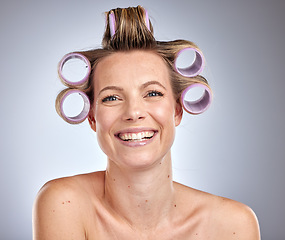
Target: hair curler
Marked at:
82, 115
200, 105
112, 22
81, 83
147, 19
195, 68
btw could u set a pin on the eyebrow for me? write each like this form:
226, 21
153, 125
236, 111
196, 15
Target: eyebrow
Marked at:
111, 88
146, 84
152, 83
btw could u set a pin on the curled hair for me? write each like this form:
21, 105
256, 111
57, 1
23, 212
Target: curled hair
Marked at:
134, 31
169, 51
131, 30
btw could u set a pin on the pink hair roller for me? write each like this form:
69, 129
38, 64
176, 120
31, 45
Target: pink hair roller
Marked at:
112, 22
200, 105
147, 19
82, 83
195, 68
83, 114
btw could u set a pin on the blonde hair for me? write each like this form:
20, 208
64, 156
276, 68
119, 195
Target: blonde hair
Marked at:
134, 31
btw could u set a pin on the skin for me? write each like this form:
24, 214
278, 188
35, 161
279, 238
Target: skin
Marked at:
135, 198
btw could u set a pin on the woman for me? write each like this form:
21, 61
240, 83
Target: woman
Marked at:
134, 93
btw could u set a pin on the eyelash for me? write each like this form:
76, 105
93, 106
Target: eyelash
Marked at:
157, 93
110, 98
152, 93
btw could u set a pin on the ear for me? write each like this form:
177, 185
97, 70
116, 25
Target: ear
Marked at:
178, 113
91, 120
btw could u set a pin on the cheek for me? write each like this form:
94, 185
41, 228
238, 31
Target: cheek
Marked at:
163, 113
104, 123
164, 116
104, 120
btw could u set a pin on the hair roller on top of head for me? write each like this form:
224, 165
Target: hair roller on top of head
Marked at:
201, 104
112, 23
82, 82
195, 68
60, 110
147, 20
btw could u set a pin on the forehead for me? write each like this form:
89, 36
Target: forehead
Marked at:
133, 67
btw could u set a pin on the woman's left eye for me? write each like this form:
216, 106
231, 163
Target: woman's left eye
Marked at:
154, 94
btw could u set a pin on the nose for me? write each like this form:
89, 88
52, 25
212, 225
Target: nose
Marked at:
134, 111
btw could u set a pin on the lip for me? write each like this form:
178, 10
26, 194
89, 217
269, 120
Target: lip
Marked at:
136, 130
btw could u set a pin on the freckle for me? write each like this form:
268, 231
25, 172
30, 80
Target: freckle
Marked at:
62, 203
234, 233
53, 210
139, 205
114, 179
196, 233
168, 176
146, 200
175, 205
160, 163
129, 186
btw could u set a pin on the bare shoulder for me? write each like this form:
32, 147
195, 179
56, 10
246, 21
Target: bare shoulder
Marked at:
61, 205
235, 219
222, 218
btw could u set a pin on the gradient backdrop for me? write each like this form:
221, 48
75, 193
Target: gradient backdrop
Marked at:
236, 149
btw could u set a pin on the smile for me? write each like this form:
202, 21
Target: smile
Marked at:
135, 137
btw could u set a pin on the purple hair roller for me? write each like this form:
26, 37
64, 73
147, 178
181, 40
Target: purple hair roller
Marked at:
85, 111
82, 83
147, 19
112, 22
200, 105
194, 69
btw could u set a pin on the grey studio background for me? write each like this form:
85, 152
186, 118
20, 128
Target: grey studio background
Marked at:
236, 149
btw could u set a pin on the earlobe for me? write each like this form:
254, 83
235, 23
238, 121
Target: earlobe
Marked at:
92, 122
178, 113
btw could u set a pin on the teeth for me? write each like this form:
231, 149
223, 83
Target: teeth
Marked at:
136, 136
123, 137
149, 134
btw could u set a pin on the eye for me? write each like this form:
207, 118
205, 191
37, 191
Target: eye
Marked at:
154, 93
110, 98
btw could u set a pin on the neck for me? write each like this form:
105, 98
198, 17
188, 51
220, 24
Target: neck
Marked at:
143, 197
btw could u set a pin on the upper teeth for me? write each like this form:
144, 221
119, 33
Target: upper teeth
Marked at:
136, 136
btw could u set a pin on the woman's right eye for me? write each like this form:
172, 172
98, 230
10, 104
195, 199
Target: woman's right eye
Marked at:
110, 98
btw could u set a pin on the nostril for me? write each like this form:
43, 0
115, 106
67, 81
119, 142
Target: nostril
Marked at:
132, 119
133, 113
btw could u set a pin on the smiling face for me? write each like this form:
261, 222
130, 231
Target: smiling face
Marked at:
134, 112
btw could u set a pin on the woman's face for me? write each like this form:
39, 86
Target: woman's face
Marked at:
134, 112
